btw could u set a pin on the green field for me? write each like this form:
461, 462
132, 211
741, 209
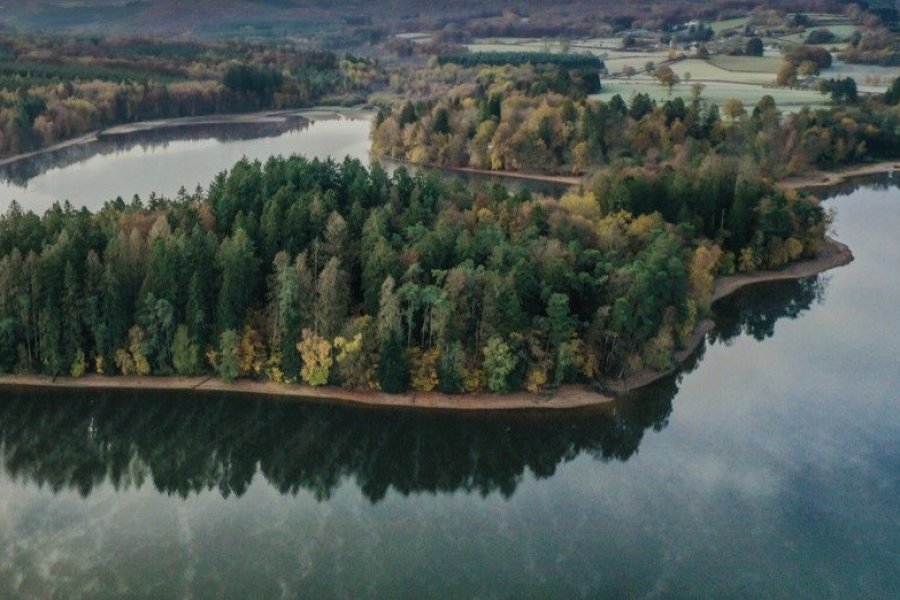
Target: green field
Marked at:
708, 72
841, 32
727, 24
515, 45
745, 78
598, 44
616, 61
747, 64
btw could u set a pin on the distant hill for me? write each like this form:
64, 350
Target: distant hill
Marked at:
345, 23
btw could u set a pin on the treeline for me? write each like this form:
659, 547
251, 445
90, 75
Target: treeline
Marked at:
437, 82
498, 128
497, 59
298, 270
880, 47
53, 88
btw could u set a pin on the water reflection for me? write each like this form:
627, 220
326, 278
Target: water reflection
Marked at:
20, 172
485, 180
878, 182
755, 310
187, 443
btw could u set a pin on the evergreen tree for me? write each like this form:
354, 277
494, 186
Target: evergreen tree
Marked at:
393, 366
237, 266
229, 358
9, 342
332, 299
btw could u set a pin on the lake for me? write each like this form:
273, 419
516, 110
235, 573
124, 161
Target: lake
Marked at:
768, 467
161, 162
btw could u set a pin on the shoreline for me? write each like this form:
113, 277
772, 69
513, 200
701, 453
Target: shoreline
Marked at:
269, 117
819, 179
815, 179
570, 180
574, 396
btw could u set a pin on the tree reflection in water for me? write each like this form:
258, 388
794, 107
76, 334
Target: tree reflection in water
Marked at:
20, 172
755, 310
186, 443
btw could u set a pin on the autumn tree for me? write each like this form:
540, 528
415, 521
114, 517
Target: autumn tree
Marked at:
666, 77
317, 359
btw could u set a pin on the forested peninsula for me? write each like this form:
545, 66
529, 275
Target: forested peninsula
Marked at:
401, 287
333, 274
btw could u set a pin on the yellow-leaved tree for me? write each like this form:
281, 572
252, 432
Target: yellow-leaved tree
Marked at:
356, 368
702, 273
315, 351
252, 353
424, 369
133, 361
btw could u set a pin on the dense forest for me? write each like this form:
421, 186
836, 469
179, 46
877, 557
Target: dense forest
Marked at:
493, 125
55, 88
326, 273
334, 274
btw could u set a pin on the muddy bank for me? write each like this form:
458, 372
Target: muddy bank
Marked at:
817, 179
566, 397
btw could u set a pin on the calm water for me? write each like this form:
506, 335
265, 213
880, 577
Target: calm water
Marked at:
770, 468
161, 162
147, 162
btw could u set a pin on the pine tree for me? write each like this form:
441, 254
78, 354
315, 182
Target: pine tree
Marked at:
229, 360
332, 299
237, 267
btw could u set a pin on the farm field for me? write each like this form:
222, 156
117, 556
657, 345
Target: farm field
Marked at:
615, 63
706, 71
869, 78
727, 24
841, 32
607, 43
515, 45
747, 64
718, 92
745, 69
744, 78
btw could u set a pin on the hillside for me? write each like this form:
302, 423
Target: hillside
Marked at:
359, 21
